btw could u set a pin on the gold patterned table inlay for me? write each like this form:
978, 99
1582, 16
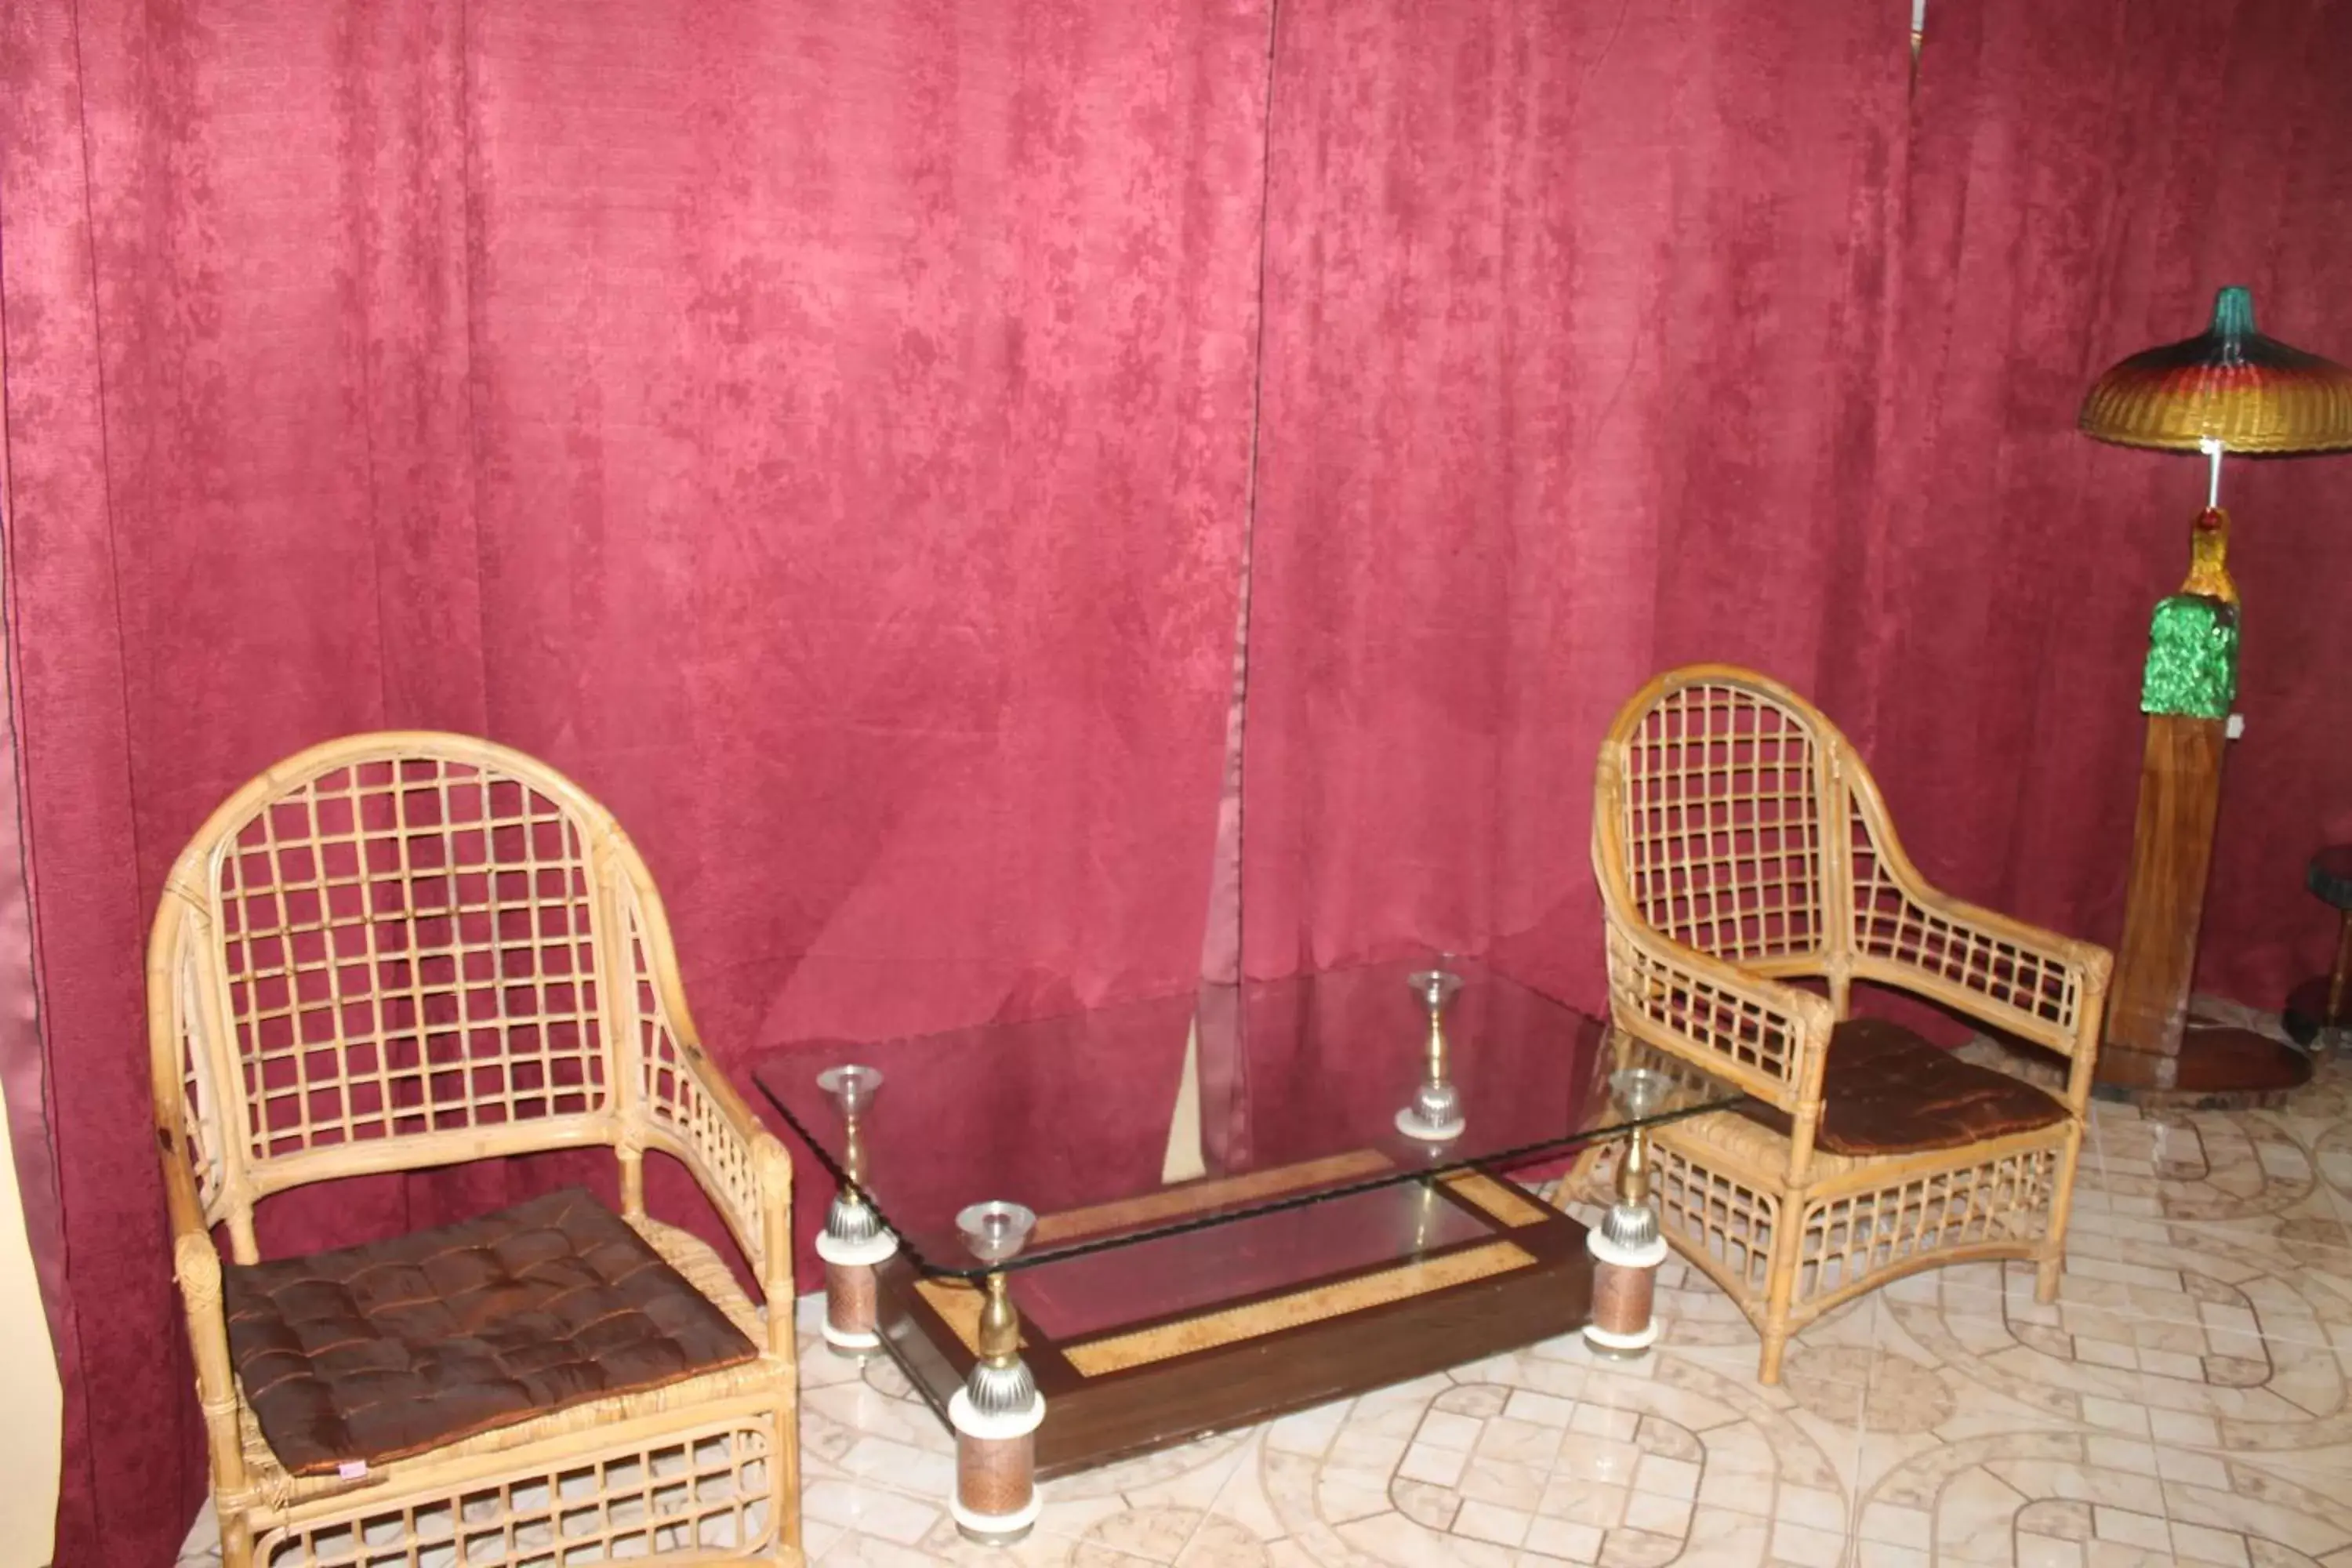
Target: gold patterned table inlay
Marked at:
1498, 1199
1195, 1198
1234, 1324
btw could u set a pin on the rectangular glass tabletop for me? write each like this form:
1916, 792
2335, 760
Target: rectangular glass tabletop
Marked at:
1148, 1120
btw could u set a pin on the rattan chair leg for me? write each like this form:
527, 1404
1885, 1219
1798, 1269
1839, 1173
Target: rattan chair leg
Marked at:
236, 1541
1788, 1241
2051, 1262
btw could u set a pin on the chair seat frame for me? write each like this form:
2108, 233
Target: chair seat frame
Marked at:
302, 1029
1741, 846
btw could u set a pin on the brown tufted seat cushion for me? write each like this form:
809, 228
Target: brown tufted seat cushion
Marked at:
381, 1351
1884, 1090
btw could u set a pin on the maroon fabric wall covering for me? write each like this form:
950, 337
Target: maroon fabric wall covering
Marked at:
1596, 344
827, 432
821, 430
1570, 328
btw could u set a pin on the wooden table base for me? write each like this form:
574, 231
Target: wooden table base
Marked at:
2221, 1067
1132, 1387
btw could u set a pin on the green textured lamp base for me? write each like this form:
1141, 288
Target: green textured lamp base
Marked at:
2192, 657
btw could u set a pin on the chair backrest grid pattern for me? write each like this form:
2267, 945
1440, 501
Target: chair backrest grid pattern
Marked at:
1722, 822
408, 947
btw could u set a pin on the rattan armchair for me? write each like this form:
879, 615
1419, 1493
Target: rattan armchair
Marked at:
1749, 878
405, 950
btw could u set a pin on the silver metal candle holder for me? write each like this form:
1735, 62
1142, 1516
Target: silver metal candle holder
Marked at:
1435, 1115
995, 1231
1632, 1222
1001, 1383
853, 1087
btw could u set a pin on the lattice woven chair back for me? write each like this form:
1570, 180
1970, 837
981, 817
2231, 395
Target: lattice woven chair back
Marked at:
1721, 818
391, 947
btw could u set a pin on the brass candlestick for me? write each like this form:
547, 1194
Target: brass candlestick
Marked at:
1434, 1116
855, 1241
997, 1411
1627, 1249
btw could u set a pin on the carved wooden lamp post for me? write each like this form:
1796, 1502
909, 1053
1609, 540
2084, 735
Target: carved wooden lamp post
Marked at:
2228, 390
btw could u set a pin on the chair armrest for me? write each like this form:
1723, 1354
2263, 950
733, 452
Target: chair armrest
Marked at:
739, 1163
196, 1268
2035, 983
1764, 1037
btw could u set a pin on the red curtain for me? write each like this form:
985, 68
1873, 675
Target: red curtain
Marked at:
1572, 320
831, 438
823, 431
1599, 342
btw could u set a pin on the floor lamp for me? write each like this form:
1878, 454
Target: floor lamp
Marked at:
2230, 389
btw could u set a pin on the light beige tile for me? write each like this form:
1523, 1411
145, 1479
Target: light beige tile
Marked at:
1442, 1430
1813, 1508
2047, 1551
2131, 1529
2183, 1428
1424, 1504
1437, 1467
869, 1511
1879, 1554
1561, 1538
1663, 1477
1504, 1485
1597, 1420
1343, 1494
2121, 1454
2192, 1469
2116, 1416
1309, 1431
1896, 1526
1658, 1515
1599, 1459
1539, 1409
1806, 1547
2197, 1544
1222, 1543
1584, 1502
1151, 1534
1360, 1450
1638, 1549
1508, 1440
1486, 1521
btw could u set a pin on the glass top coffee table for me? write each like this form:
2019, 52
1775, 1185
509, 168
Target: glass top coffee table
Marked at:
1196, 1212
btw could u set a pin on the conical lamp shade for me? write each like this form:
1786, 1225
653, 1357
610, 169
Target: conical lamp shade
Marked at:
2230, 385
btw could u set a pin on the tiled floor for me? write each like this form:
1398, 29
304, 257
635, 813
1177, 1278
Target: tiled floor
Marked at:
2185, 1401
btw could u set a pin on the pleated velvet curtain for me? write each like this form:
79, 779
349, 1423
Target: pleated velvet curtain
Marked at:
837, 436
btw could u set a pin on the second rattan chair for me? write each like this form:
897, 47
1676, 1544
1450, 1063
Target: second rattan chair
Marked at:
405, 950
1750, 877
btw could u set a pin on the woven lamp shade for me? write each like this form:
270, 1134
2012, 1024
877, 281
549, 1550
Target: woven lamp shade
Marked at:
2229, 385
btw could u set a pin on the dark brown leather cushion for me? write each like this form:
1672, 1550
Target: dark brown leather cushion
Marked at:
377, 1352
1887, 1092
